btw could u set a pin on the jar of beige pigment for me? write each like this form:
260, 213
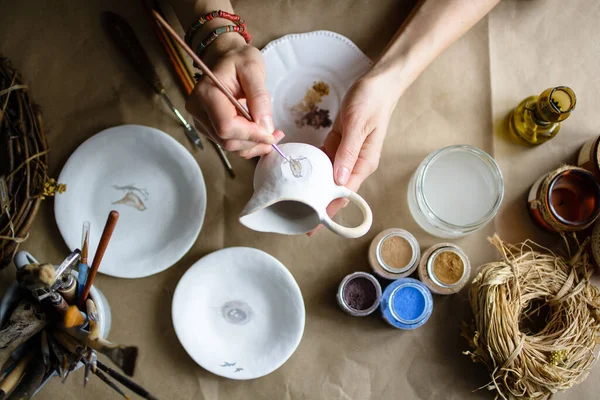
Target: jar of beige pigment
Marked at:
444, 268
394, 254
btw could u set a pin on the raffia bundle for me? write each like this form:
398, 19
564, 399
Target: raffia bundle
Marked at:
524, 363
23, 161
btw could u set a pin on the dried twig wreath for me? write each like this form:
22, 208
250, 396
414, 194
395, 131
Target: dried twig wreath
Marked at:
23, 161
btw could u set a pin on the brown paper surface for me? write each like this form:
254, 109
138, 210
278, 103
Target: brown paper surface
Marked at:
84, 85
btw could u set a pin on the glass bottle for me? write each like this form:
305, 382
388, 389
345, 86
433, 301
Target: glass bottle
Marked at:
537, 118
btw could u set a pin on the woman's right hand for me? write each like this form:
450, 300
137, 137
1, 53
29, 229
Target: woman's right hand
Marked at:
241, 68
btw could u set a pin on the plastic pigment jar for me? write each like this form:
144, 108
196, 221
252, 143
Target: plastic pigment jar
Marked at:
394, 254
359, 294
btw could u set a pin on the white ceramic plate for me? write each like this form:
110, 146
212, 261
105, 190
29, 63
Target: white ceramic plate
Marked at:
239, 313
151, 180
295, 62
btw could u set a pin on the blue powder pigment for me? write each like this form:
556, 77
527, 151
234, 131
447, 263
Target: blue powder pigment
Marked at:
409, 303
406, 304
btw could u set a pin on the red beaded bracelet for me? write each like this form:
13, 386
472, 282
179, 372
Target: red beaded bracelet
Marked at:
189, 36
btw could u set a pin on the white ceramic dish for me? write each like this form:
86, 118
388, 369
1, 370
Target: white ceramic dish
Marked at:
239, 313
295, 62
151, 180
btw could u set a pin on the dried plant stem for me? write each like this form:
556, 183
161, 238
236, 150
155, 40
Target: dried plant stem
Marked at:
23, 159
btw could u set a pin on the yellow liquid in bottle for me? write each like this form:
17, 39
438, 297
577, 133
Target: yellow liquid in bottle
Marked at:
537, 118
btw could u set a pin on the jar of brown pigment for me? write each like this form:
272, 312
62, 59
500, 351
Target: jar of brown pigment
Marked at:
394, 254
444, 268
359, 294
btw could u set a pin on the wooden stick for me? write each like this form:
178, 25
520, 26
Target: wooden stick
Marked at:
13, 379
111, 222
27, 320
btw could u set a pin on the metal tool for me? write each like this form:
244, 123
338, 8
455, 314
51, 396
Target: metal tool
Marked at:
125, 39
66, 265
90, 363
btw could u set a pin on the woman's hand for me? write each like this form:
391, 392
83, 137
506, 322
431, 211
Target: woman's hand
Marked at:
241, 68
355, 141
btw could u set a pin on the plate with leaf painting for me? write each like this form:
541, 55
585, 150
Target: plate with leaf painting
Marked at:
308, 75
151, 180
239, 313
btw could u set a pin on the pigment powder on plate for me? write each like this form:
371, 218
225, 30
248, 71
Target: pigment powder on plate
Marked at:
448, 267
409, 303
396, 252
360, 294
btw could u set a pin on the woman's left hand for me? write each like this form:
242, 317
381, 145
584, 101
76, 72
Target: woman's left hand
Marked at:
355, 141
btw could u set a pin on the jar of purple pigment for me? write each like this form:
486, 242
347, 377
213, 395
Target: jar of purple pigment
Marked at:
359, 294
406, 304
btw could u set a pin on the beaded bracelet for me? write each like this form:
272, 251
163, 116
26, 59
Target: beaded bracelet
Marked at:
216, 33
189, 36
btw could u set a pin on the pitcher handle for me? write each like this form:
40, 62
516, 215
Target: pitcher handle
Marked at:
23, 258
345, 231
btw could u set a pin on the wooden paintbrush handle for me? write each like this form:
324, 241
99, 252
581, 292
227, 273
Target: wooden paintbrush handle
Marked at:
111, 222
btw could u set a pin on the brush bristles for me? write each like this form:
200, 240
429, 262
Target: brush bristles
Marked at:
73, 317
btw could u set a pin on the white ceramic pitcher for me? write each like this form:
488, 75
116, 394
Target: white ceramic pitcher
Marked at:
292, 201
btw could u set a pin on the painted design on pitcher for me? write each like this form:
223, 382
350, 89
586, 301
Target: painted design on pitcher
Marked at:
298, 168
134, 197
228, 364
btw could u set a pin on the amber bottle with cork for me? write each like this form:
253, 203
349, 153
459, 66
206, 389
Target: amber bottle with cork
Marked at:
537, 118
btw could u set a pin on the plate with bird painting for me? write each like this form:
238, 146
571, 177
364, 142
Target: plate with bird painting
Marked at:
308, 75
239, 313
151, 180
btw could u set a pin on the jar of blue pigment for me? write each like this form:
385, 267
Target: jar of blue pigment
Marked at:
406, 304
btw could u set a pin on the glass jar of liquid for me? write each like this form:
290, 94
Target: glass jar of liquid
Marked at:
565, 200
455, 191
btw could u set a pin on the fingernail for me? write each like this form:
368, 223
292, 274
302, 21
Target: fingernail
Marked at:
343, 174
267, 123
279, 135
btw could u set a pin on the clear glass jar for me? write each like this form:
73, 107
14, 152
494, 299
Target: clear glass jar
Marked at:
455, 191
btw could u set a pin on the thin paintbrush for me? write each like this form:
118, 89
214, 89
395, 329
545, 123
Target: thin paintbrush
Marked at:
206, 71
174, 51
111, 222
180, 69
83, 262
128, 383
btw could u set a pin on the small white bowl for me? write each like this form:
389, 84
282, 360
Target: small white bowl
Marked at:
239, 313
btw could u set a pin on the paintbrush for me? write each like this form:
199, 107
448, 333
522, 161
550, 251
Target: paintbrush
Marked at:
206, 71
177, 63
45, 347
74, 318
31, 380
110, 383
122, 356
14, 377
27, 320
128, 383
111, 222
83, 262
92, 313
181, 66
